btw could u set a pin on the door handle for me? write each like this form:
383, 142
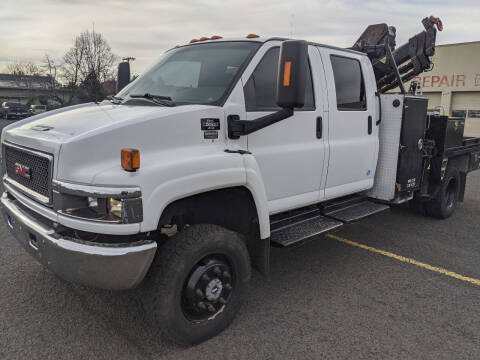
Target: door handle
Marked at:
370, 125
319, 127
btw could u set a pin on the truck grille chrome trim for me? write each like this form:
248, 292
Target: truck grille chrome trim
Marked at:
35, 179
123, 192
27, 191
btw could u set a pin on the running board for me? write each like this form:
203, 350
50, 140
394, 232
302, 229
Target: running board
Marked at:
355, 211
299, 225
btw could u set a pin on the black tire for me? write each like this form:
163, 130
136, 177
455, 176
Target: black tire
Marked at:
167, 297
444, 205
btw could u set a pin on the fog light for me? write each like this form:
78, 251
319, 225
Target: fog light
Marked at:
115, 207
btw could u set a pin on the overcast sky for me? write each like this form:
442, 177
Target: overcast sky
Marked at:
146, 28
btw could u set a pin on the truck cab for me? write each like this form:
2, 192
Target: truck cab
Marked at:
328, 147
182, 181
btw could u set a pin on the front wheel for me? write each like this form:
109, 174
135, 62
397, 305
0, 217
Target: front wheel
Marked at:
444, 205
196, 283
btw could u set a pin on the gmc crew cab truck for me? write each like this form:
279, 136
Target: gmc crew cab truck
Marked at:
183, 180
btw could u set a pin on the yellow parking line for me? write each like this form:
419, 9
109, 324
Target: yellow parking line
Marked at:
407, 260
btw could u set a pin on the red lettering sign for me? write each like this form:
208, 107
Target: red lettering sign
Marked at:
425, 80
435, 79
444, 81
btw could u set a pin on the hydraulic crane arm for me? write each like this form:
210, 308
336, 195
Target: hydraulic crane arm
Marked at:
393, 66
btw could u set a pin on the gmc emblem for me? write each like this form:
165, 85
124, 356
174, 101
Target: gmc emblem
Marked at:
22, 170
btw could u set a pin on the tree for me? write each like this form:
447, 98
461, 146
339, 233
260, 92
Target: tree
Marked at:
24, 73
51, 69
23, 68
88, 63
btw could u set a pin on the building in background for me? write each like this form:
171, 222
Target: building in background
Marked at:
453, 85
33, 89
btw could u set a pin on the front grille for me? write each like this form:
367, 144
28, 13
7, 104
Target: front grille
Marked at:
39, 165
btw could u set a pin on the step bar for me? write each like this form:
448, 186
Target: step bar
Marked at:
297, 226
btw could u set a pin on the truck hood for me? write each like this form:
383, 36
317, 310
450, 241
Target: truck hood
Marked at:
88, 132
54, 128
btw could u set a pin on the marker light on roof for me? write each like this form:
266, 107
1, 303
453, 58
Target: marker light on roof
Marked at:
251, 36
215, 37
194, 41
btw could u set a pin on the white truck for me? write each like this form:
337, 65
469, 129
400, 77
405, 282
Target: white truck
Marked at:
183, 180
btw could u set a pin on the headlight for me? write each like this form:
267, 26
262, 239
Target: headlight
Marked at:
91, 203
115, 207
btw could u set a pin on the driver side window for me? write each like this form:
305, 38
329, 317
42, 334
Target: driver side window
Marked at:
260, 89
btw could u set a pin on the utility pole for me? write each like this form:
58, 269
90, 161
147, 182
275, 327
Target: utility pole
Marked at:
128, 59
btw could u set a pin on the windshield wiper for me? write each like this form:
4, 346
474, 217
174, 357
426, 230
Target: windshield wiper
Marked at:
114, 99
158, 99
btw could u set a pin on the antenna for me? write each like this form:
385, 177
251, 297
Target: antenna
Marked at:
292, 20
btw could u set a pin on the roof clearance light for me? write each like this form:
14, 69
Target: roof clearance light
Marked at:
193, 41
130, 159
251, 36
203, 38
215, 37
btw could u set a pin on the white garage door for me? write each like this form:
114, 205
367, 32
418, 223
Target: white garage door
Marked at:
468, 104
434, 100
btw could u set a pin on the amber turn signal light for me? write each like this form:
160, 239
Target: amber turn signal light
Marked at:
286, 73
130, 159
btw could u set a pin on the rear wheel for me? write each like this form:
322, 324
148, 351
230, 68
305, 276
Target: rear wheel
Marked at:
444, 205
196, 283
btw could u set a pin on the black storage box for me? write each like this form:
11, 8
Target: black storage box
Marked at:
447, 132
410, 157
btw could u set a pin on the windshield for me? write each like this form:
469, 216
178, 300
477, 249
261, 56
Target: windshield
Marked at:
197, 74
15, 105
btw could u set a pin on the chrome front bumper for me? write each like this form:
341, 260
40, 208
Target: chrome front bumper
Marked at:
107, 266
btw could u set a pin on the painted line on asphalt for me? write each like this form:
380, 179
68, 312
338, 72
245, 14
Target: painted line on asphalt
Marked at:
406, 260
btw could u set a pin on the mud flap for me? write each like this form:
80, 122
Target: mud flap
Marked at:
259, 250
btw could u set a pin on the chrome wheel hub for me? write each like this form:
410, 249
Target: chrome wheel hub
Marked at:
213, 289
208, 289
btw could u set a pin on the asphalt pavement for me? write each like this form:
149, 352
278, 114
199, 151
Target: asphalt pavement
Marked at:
326, 299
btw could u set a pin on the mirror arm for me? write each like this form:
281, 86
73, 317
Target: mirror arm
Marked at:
237, 128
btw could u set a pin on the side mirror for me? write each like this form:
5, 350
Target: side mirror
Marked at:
123, 76
292, 74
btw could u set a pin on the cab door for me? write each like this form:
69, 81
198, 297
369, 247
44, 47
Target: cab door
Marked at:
353, 131
290, 153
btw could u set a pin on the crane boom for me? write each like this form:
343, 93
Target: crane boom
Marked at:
392, 67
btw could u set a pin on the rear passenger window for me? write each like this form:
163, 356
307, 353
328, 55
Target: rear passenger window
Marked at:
349, 84
260, 89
